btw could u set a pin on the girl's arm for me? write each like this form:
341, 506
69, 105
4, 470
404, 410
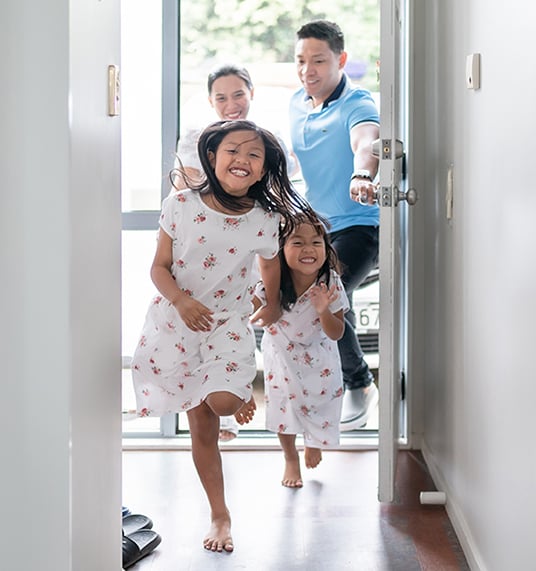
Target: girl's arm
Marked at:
331, 323
195, 315
271, 278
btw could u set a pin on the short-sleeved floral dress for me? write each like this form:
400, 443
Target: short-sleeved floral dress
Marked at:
302, 373
174, 368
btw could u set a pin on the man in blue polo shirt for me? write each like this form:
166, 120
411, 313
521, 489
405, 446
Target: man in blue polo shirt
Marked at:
332, 127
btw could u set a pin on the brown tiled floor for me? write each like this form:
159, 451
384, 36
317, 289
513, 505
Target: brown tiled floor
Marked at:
334, 522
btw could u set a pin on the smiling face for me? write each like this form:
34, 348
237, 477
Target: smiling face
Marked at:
239, 162
231, 97
305, 251
319, 68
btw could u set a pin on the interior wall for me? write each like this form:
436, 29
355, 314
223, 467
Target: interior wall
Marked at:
476, 315
60, 483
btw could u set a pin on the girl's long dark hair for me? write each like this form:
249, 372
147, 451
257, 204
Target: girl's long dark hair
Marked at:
274, 192
321, 226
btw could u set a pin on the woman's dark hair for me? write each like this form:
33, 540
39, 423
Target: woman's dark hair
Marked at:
274, 192
321, 226
229, 69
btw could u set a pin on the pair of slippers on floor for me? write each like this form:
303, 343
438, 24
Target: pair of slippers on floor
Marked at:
139, 539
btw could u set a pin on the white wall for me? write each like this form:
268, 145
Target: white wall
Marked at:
475, 275
60, 480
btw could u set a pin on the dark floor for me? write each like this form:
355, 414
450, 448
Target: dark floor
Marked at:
334, 522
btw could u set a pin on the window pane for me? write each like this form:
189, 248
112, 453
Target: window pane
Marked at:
138, 249
141, 104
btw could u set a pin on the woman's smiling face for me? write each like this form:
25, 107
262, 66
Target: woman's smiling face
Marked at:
231, 97
239, 162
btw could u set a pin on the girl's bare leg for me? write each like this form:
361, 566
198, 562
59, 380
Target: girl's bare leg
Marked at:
204, 430
292, 475
313, 457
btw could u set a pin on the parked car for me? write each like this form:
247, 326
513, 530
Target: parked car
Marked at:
366, 302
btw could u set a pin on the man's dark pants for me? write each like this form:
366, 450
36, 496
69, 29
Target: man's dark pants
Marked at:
357, 248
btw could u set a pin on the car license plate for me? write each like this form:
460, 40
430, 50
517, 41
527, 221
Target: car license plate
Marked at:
367, 316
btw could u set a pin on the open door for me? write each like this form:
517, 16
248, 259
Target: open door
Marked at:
393, 242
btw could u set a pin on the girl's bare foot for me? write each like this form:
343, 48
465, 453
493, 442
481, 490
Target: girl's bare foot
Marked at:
228, 428
245, 413
226, 435
313, 457
292, 475
219, 536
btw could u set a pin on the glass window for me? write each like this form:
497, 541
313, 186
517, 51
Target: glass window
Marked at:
141, 104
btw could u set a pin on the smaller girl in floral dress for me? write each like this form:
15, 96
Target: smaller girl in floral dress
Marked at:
302, 369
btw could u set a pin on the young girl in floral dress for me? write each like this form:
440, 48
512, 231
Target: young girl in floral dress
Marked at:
196, 350
302, 370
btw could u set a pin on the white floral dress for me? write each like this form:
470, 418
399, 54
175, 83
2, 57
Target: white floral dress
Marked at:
302, 373
174, 368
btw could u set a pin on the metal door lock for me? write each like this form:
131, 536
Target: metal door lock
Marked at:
381, 148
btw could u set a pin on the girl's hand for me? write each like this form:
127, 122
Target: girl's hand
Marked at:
196, 316
322, 297
266, 315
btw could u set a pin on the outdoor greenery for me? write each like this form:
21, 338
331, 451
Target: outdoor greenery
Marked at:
213, 31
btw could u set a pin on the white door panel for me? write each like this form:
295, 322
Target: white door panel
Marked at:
392, 240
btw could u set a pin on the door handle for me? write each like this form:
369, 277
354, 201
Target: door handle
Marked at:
410, 196
388, 196
381, 148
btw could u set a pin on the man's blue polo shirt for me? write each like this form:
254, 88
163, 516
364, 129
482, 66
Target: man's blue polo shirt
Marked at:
321, 141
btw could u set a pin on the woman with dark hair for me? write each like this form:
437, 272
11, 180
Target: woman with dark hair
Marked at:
230, 93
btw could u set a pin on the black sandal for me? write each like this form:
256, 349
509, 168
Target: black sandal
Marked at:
136, 522
138, 545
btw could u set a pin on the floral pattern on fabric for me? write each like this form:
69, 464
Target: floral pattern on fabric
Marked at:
302, 373
174, 368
